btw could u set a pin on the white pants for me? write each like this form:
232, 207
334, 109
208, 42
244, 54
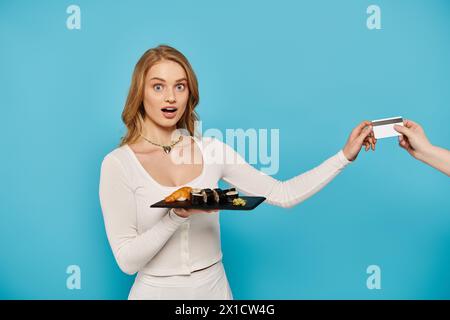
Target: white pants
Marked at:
206, 284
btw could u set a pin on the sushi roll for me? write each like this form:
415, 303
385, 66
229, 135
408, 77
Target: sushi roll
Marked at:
197, 198
231, 195
215, 196
209, 196
219, 195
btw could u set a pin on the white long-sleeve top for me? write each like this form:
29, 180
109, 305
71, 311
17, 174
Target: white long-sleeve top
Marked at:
157, 242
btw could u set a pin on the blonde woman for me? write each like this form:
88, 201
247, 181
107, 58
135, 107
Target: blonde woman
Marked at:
176, 253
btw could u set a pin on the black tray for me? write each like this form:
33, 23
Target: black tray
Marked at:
252, 203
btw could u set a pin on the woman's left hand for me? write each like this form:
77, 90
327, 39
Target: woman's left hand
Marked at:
361, 135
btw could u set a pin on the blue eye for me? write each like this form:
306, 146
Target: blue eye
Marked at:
180, 87
157, 87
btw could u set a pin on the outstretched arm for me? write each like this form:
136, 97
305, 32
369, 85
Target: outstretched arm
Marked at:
237, 172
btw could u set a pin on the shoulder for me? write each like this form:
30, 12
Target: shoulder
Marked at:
118, 157
116, 169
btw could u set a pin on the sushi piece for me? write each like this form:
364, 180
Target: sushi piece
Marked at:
219, 196
209, 196
197, 198
231, 195
181, 194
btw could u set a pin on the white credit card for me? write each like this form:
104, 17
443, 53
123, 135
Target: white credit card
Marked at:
384, 128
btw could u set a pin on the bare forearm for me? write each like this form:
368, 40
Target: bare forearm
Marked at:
438, 158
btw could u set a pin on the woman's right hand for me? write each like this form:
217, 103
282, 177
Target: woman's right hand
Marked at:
184, 213
361, 135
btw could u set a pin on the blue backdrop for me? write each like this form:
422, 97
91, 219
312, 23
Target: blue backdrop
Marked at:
311, 69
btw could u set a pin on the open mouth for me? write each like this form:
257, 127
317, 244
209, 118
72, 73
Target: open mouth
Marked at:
169, 109
169, 112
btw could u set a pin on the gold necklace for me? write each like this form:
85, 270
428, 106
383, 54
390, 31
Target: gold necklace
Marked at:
167, 148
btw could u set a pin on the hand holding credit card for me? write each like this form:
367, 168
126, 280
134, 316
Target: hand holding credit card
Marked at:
384, 128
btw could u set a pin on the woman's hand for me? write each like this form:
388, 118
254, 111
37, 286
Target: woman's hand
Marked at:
413, 139
361, 135
184, 213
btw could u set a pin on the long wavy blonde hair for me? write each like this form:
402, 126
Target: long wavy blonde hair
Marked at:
133, 114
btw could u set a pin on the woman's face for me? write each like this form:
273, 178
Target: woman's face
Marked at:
166, 93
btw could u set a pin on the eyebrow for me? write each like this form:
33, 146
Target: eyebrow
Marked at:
156, 78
